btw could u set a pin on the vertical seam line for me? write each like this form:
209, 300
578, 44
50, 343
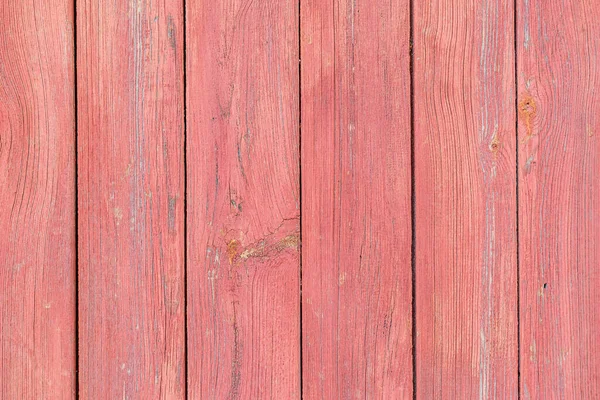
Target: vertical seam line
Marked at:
76, 195
300, 190
413, 201
185, 202
518, 267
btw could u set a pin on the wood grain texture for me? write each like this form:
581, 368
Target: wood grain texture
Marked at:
131, 199
465, 189
559, 198
243, 199
356, 210
37, 197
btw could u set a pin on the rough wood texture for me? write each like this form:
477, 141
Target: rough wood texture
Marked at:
559, 198
243, 200
131, 199
466, 288
37, 197
356, 213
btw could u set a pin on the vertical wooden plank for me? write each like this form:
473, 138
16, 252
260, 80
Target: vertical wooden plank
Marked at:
465, 188
559, 197
37, 197
243, 199
131, 199
356, 199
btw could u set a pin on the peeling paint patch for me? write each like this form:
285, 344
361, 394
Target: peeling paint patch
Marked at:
528, 164
118, 215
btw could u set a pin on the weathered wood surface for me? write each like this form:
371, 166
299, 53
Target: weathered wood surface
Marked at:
356, 199
271, 138
465, 189
243, 199
131, 199
37, 197
559, 198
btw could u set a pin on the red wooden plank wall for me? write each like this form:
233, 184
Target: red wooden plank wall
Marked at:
243, 200
465, 189
299, 199
559, 197
356, 199
37, 201
131, 199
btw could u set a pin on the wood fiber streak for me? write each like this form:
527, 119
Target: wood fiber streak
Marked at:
465, 189
559, 197
131, 199
356, 199
243, 199
37, 193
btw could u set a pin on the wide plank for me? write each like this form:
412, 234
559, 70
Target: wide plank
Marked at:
37, 201
559, 197
356, 199
243, 199
131, 199
465, 199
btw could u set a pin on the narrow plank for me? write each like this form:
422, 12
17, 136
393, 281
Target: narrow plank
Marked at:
465, 189
131, 199
243, 199
356, 199
559, 197
37, 197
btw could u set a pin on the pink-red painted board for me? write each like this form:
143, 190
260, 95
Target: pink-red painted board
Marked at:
356, 199
465, 193
243, 199
559, 197
131, 199
37, 197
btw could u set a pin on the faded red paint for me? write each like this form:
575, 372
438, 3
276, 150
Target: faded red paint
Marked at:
407, 170
559, 198
465, 192
243, 200
37, 201
356, 200
131, 199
